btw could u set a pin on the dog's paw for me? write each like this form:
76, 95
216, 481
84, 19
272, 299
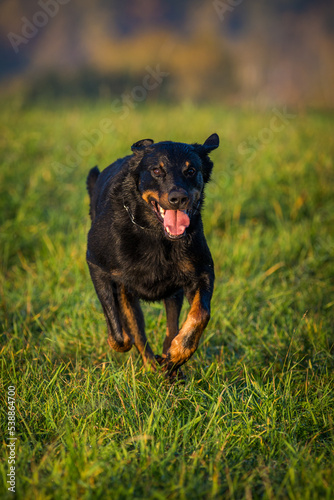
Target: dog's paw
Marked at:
159, 359
176, 375
172, 373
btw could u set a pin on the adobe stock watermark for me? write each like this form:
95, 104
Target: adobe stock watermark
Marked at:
265, 136
91, 139
222, 8
152, 80
31, 27
231, 169
11, 481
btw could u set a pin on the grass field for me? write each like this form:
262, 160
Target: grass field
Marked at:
255, 417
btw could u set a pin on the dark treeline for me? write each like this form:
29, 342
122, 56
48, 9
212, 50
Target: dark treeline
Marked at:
219, 50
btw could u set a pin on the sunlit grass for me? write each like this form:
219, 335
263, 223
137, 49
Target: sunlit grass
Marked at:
255, 417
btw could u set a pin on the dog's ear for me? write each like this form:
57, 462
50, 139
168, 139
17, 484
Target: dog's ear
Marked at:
211, 143
140, 146
203, 151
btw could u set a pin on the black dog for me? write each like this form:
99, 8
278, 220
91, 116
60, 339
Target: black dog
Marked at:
147, 242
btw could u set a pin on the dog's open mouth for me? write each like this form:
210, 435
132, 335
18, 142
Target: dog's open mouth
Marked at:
175, 222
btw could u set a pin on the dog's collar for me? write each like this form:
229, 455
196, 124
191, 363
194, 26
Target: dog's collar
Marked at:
130, 214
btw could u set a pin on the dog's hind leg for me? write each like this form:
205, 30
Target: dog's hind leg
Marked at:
133, 322
107, 292
173, 307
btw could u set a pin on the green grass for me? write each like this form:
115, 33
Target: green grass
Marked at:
255, 417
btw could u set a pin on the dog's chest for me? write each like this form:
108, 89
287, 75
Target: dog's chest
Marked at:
154, 272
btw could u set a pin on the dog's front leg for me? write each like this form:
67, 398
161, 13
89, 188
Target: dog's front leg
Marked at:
133, 322
186, 342
173, 307
107, 292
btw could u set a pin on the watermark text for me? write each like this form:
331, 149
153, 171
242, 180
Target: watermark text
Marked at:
31, 27
12, 439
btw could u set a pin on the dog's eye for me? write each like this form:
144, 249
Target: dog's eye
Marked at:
157, 171
190, 171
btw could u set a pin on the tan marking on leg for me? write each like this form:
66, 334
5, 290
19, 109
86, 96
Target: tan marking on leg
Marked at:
140, 340
172, 323
128, 343
193, 327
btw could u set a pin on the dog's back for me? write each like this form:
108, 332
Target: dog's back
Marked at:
98, 183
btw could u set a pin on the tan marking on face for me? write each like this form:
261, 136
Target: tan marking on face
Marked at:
150, 195
187, 163
163, 201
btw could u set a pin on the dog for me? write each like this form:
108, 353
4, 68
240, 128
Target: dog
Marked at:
147, 242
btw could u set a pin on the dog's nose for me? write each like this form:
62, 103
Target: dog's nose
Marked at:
178, 199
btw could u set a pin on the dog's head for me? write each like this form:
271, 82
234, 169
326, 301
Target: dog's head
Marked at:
171, 178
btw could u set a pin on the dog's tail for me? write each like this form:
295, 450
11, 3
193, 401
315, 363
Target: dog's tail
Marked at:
91, 181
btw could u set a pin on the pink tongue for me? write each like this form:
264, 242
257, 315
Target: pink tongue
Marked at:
176, 222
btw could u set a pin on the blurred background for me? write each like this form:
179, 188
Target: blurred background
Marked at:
235, 52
